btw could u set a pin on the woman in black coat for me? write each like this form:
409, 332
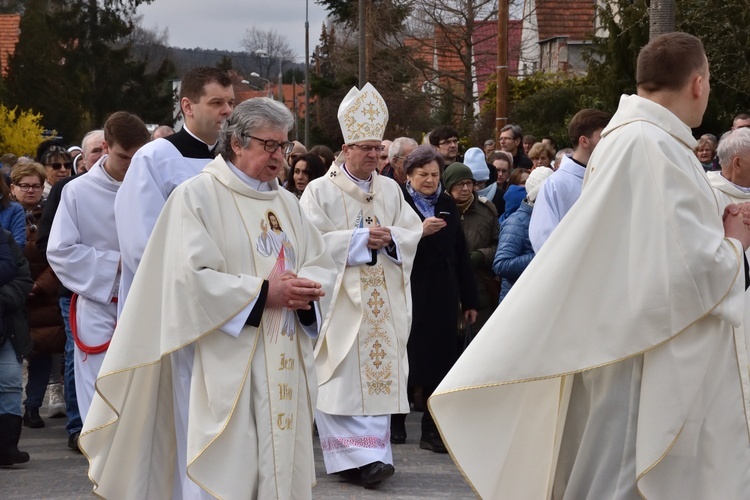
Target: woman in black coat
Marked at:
442, 280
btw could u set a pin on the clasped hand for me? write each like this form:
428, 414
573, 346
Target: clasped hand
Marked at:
290, 291
737, 222
380, 237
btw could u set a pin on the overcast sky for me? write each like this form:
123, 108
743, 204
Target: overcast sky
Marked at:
221, 24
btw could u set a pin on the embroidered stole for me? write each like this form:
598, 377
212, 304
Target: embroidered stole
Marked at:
273, 253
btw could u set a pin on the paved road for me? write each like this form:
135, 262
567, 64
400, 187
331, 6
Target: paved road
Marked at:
55, 472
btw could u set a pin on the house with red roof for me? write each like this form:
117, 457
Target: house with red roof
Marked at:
555, 34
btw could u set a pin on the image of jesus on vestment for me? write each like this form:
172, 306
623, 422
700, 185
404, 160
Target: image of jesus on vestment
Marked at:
274, 243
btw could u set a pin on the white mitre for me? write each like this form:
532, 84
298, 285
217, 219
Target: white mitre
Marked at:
363, 115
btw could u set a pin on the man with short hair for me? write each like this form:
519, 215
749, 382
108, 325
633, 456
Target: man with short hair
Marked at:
372, 235
84, 252
209, 387
510, 141
561, 190
632, 381
399, 150
92, 148
741, 120
206, 100
383, 156
445, 139
489, 148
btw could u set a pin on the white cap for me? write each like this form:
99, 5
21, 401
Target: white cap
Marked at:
477, 162
363, 115
535, 181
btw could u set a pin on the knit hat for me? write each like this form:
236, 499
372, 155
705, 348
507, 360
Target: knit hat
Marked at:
455, 173
474, 159
535, 181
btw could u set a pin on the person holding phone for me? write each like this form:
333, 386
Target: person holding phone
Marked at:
442, 280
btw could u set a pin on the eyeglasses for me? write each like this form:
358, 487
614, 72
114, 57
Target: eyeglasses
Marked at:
448, 141
463, 184
366, 149
383, 157
57, 165
26, 187
507, 138
271, 146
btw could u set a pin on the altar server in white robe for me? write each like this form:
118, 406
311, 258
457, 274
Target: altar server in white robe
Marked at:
627, 382
208, 389
372, 235
84, 252
206, 100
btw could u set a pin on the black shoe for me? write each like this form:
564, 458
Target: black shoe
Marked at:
432, 441
32, 419
373, 474
73, 441
398, 434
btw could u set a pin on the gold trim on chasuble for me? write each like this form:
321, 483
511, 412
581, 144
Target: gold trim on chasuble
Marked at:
274, 251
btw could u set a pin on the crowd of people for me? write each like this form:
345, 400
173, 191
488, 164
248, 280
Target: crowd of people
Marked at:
202, 300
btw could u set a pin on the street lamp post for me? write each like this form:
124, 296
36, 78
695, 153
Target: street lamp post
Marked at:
268, 83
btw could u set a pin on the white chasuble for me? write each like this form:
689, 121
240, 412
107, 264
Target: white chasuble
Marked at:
361, 355
251, 396
641, 293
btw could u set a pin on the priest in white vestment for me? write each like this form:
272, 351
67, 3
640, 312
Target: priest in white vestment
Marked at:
372, 235
84, 252
206, 100
208, 389
627, 382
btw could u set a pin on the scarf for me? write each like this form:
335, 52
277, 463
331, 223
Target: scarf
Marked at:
463, 207
425, 204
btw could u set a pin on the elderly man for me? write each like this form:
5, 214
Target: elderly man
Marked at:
92, 148
84, 252
209, 387
206, 100
372, 235
632, 383
489, 148
558, 193
399, 150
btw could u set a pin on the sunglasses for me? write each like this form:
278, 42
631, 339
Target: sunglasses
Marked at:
57, 165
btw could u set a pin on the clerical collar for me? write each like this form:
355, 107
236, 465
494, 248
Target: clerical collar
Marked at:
253, 183
189, 145
741, 188
365, 185
209, 146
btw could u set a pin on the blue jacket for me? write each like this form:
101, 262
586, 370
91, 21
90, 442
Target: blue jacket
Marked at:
513, 198
13, 219
514, 251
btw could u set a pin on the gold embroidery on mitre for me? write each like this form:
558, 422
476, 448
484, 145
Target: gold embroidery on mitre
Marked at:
364, 117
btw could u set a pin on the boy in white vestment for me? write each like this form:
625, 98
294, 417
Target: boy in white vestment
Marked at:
84, 252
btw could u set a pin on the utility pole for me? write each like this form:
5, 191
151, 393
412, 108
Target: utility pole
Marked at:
281, 94
362, 44
501, 73
661, 17
307, 77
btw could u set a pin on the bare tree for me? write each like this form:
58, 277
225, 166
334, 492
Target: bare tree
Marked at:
268, 48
